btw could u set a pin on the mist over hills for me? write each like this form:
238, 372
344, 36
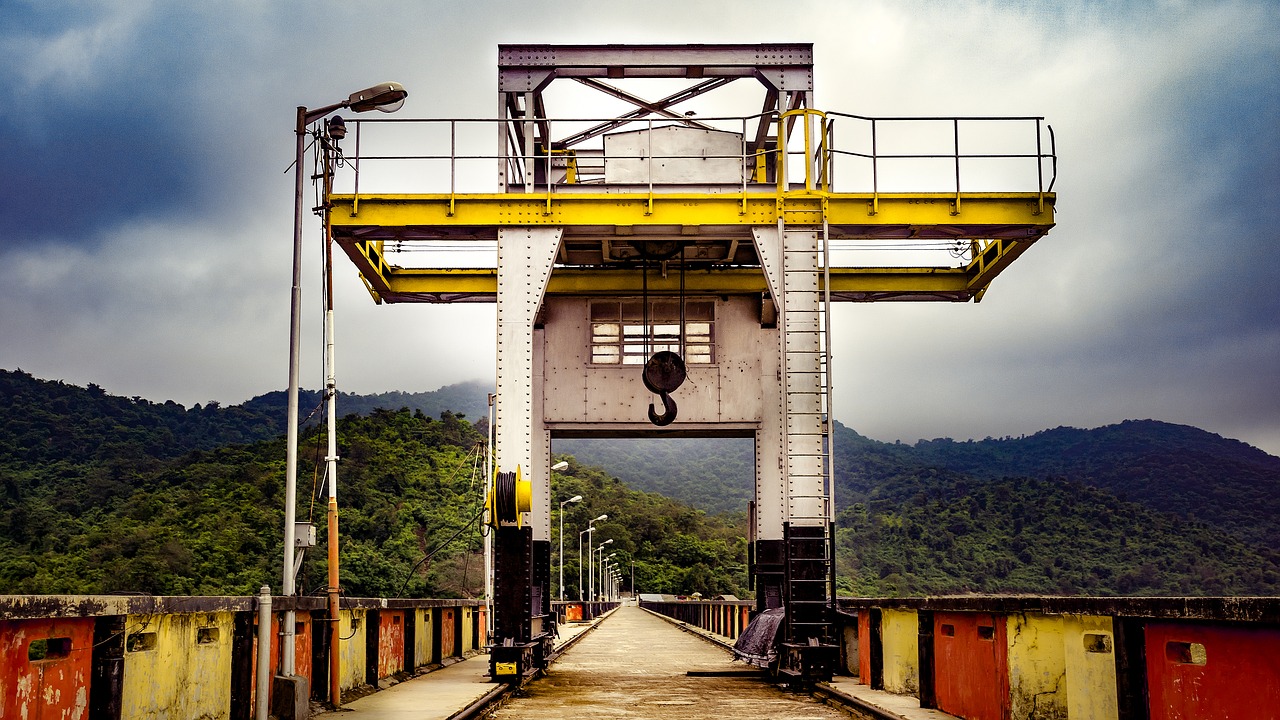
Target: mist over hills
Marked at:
1139, 507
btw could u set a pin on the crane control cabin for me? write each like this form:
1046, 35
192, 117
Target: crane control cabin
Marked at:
661, 272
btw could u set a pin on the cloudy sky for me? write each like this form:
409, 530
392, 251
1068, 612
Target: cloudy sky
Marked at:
146, 208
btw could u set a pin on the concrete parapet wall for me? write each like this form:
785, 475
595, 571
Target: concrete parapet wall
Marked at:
194, 657
1050, 658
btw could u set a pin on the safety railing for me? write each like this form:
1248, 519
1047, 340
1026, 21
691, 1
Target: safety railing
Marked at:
806, 151
979, 131
727, 618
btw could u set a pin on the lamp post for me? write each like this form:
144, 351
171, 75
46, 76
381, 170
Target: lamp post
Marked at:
387, 97
604, 565
574, 499
580, 585
591, 557
588, 531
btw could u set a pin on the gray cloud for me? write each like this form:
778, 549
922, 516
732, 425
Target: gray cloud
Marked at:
146, 236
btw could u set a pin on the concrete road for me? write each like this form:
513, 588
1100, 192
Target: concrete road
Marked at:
634, 665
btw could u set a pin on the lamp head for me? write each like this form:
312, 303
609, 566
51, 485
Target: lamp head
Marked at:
602, 517
387, 97
575, 498
562, 465
606, 542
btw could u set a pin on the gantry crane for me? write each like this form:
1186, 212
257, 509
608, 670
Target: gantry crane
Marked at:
663, 273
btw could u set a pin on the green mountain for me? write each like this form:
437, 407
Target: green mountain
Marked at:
107, 494
101, 494
466, 400
1177, 469
941, 532
715, 475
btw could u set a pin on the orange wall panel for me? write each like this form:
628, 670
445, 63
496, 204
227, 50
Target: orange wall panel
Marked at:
971, 667
301, 649
54, 687
864, 647
1208, 671
391, 644
448, 636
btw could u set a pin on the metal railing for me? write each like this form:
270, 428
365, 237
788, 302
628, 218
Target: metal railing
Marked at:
802, 154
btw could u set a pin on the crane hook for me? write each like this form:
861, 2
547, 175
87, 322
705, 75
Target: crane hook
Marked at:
668, 411
663, 374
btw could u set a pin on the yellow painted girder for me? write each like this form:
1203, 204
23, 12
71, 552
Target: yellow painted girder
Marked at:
1006, 222
493, 210
845, 282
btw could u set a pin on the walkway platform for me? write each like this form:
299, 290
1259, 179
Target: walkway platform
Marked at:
639, 661
440, 694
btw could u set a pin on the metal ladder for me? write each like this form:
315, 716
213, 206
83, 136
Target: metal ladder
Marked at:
809, 555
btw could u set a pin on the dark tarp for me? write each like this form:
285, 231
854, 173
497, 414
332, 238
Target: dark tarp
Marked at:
757, 645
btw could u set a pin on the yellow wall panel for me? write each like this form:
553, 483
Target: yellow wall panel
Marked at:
900, 636
422, 637
1091, 667
352, 650
1037, 667
468, 629
177, 666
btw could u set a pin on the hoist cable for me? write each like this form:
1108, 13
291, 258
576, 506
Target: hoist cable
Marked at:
504, 497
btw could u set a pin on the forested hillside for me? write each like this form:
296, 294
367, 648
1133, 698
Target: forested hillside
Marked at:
1175, 468
715, 475
107, 494
103, 494
1187, 472
940, 532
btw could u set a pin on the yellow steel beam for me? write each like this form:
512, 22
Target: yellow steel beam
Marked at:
476, 283
978, 212
1003, 224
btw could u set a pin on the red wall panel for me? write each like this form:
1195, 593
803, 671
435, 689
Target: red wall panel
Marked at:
864, 647
971, 667
1201, 671
448, 638
54, 687
391, 644
303, 628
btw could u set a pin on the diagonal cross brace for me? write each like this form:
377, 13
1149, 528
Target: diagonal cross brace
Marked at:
645, 107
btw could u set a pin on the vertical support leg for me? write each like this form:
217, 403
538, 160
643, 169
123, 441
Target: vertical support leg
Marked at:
521, 585
802, 561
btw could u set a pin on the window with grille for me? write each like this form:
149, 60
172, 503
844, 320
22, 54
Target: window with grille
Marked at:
618, 333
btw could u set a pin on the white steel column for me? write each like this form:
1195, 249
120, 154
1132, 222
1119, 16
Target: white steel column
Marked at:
802, 325
771, 482
790, 262
525, 258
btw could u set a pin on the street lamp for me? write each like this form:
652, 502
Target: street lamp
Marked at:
590, 568
574, 499
387, 97
590, 528
604, 565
